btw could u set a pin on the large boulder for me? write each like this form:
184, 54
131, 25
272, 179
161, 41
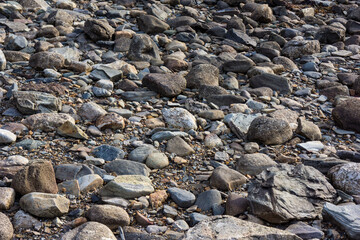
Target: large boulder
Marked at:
285, 192
228, 227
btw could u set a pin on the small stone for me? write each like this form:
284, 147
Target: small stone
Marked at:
71, 130
89, 230
6, 228
206, 200
203, 74
312, 146
226, 179
44, 60
181, 197
128, 186
23, 220
269, 131
98, 29
178, 146
7, 198
90, 182
157, 160
158, 198
6, 136
91, 111
111, 216
253, 164
236, 204
309, 129
179, 118
180, 225
108, 153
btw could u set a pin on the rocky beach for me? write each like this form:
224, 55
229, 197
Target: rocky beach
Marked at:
180, 119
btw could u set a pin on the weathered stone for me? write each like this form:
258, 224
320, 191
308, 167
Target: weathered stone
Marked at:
203, 74
284, 193
71, 130
98, 29
143, 48
235, 204
276, 83
91, 111
227, 227
179, 118
36, 177
182, 197
226, 179
45, 204
346, 177
43, 60
111, 216
6, 136
168, 85
308, 129
6, 228
47, 122
346, 217
151, 24
269, 131
126, 167
253, 164
30, 102
89, 230
346, 114
178, 146
7, 198
128, 186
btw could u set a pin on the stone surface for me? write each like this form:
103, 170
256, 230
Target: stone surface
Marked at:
43, 60
346, 177
179, 118
35, 177
45, 204
168, 85
126, 167
208, 199
346, 116
284, 193
269, 131
6, 228
89, 230
30, 102
178, 146
98, 29
227, 227
128, 186
111, 216
47, 121
272, 81
7, 198
6, 136
225, 179
202, 74
305, 231
182, 197
253, 164
346, 217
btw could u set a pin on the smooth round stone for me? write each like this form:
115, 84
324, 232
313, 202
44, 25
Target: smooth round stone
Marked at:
7, 136
157, 160
206, 200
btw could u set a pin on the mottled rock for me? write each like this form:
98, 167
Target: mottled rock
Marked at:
128, 186
179, 118
91, 111
6, 228
276, 83
168, 85
45, 204
35, 177
226, 179
89, 230
346, 114
284, 193
98, 29
346, 177
44, 60
203, 74
178, 146
111, 216
227, 227
269, 131
7, 198
253, 164
30, 102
